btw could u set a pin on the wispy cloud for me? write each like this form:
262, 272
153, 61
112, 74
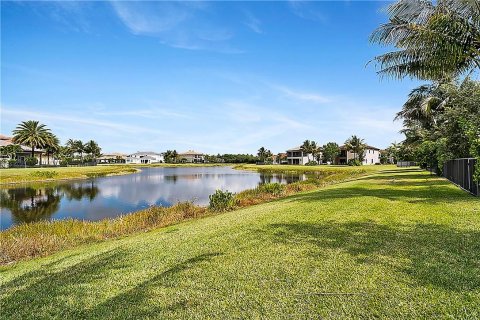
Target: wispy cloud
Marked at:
302, 96
253, 22
306, 10
179, 24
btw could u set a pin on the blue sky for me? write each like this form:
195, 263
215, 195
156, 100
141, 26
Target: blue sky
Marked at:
218, 77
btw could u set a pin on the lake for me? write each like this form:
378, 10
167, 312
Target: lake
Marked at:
108, 197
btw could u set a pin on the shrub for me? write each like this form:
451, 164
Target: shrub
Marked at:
44, 174
354, 162
12, 162
222, 200
311, 163
275, 189
31, 161
64, 163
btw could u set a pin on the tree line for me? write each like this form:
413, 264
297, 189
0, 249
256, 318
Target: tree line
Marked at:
438, 42
37, 136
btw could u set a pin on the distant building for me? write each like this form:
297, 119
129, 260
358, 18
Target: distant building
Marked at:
192, 156
371, 155
145, 157
113, 157
297, 156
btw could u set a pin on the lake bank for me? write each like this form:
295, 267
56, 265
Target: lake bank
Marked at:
42, 238
399, 243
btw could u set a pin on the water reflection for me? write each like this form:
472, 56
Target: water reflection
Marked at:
106, 197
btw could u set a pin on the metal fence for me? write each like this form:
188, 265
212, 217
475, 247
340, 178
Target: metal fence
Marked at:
460, 172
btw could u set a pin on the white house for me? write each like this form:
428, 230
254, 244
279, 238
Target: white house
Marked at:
145, 157
192, 156
297, 156
371, 155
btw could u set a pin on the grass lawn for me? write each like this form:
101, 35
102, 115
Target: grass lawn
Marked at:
319, 168
19, 175
396, 244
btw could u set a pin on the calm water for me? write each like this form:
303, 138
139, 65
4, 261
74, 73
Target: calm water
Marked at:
107, 197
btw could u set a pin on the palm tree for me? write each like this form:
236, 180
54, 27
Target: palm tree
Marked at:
11, 150
52, 146
31, 134
356, 145
76, 146
435, 41
92, 148
310, 148
262, 153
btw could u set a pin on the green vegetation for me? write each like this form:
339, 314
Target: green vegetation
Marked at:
59, 173
43, 238
438, 42
395, 244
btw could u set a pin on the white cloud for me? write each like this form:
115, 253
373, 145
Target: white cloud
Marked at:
253, 22
306, 10
303, 96
179, 24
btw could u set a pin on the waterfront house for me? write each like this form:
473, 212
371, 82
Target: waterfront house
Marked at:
192, 156
113, 157
26, 152
144, 157
371, 155
297, 156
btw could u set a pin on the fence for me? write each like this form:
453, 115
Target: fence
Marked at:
460, 172
405, 164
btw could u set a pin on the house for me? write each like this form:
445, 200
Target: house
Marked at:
371, 155
145, 157
297, 156
113, 157
192, 156
26, 152
280, 158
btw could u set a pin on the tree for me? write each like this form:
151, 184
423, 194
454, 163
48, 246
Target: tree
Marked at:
310, 148
92, 149
52, 146
10, 150
435, 41
330, 151
264, 155
76, 146
31, 134
357, 146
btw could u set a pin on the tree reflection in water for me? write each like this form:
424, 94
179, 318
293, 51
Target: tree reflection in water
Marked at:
29, 204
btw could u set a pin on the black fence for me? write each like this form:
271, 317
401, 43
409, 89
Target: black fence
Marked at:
460, 172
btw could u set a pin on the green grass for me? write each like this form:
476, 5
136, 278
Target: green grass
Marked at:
398, 244
306, 169
20, 175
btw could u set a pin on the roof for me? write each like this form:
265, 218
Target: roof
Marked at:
145, 153
190, 152
295, 149
6, 141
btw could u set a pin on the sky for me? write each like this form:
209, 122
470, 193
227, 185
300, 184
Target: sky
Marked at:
216, 77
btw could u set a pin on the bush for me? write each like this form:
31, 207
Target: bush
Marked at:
64, 163
354, 162
222, 200
12, 162
275, 189
31, 161
311, 163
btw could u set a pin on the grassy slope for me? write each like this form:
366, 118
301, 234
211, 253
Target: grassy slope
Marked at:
20, 175
398, 244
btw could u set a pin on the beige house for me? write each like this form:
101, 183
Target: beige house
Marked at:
113, 157
43, 158
192, 156
371, 155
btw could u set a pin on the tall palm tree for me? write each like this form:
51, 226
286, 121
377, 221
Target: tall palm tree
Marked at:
262, 153
435, 41
92, 148
356, 145
76, 146
31, 134
52, 146
310, 148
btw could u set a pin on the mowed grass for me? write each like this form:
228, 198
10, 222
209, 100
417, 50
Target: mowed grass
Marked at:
397, 244
307, 169
19, 175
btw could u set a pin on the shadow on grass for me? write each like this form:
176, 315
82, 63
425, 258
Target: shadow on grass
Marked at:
42, 293
428, 254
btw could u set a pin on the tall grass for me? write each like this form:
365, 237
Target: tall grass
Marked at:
37, 239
